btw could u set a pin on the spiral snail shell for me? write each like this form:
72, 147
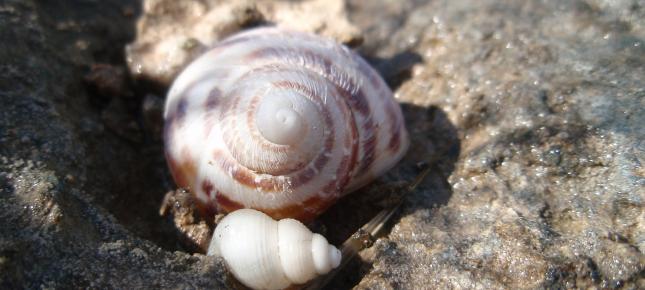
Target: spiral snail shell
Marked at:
280, 121
266, 254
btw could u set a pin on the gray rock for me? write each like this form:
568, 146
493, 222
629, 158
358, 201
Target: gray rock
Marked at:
64, 177
548, 188
530, 111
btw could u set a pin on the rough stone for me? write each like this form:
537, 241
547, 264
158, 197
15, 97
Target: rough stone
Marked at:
172, 33
548, 189
63, 176
530, 112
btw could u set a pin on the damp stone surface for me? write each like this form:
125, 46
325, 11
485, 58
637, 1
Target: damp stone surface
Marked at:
530, 112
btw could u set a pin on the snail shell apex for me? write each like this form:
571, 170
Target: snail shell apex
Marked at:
280, 121
266, 254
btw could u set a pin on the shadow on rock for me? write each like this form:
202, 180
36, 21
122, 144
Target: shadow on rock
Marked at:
434, 141
396, 69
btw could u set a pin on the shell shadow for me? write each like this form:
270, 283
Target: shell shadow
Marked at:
434, 140
396, 69
432, 136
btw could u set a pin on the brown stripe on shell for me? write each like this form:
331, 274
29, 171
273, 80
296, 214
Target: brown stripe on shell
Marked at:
369, 148
212, 116
173, 122
181, 110
207, 188
216, 74
229, 165
303, 177
327, 64
176, 113
347, 164
258, 140
246, 177
317, 63
359, 104
230, 107
395, 127
213, 99
226, 204
321, 160
350, 161
304, 212
250, 113
182, 169
345, 175
357, 100
395, 141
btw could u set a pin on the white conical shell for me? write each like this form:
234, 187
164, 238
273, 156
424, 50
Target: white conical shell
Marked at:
266, 254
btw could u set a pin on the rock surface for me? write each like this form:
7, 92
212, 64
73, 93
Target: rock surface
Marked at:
172, 33
532, 111
548, 189
68, 183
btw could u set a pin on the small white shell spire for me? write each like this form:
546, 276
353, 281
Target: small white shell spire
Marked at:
279, 122
266, 254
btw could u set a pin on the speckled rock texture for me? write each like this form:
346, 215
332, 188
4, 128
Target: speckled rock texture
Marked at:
64, 175
549, 187
530, 112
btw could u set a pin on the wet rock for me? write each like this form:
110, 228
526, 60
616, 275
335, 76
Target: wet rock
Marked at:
547, 99
530, 113
62, 175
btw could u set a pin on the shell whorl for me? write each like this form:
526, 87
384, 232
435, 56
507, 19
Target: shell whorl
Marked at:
266, 254
280, 121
